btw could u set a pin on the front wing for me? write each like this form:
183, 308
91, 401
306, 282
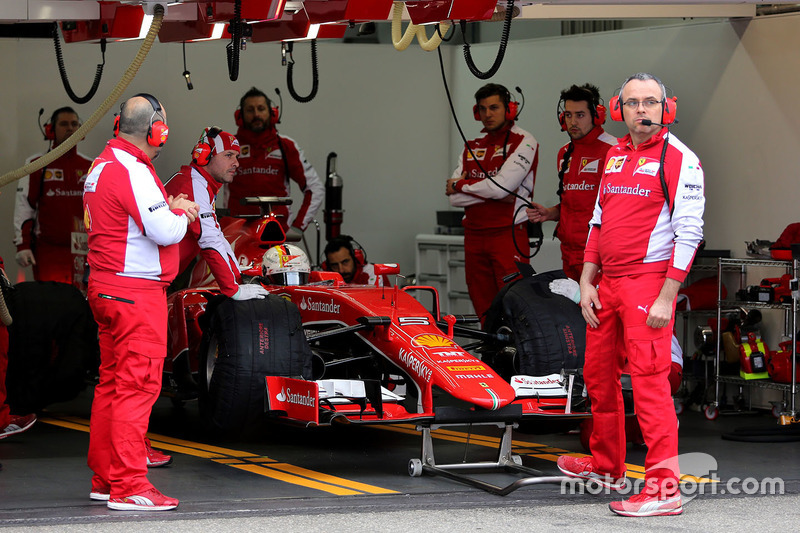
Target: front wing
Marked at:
324, 402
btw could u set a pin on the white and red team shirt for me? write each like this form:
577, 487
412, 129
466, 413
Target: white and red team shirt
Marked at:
130, 225
48, 205
263, 172
486, 206
631, 230
365, 275
205, 235
579, 187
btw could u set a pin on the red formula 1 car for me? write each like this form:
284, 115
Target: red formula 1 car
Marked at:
324, 351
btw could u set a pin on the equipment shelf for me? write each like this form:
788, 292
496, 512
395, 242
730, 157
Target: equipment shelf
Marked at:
790, 329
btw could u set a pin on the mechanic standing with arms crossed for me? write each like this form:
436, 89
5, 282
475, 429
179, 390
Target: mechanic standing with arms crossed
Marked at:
644, 241
267, 162
509, 155
133, 229
580, 167
48, 206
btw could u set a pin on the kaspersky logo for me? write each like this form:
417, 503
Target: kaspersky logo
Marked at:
433, 341
287, 396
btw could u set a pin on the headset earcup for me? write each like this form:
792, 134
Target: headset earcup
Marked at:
476, 113
562, 121
237, 117
359, 257
616, 109
158, 134
116, 125
669, 111
201, 155
511, 111
49, 132
600, 116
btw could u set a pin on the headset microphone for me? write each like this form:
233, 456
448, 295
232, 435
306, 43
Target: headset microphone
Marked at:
280, 106
39, 122
522, 106
648, 122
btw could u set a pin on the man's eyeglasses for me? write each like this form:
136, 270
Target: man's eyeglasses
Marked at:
648, 104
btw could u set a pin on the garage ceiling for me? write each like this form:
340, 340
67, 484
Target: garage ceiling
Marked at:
33, 18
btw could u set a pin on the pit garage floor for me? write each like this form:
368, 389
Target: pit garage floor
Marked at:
355, 479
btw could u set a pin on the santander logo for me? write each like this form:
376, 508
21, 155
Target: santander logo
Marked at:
305, 399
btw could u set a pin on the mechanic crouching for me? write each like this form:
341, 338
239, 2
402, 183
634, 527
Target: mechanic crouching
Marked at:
341, 256
215, 159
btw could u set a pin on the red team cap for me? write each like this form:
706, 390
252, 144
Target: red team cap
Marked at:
222, 141
213, 141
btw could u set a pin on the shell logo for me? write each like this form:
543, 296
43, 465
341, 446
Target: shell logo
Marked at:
87, 219
433, 341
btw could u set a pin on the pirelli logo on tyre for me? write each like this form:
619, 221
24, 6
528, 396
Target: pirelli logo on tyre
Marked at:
465, 368
429, 340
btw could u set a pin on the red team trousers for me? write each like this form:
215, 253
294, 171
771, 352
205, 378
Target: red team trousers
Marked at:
132, 326
489, 255
623, 334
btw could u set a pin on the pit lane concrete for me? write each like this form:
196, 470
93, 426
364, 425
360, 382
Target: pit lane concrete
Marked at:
353, 479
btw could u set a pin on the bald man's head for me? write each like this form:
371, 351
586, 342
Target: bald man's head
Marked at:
136, 116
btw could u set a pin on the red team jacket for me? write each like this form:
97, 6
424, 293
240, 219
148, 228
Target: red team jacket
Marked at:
128, 220
487, 206
204, 235
48, 203
632, 230
263, 172
581, 181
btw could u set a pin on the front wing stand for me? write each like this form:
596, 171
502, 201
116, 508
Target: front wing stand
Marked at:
506, 461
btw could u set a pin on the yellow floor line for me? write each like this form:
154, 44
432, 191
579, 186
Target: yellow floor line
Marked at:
295, 480
244, 461
333, 480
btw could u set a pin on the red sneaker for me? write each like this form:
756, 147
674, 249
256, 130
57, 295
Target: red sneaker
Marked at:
100, 494
583, 468
149, 500
644, 504
18, 424
156, 458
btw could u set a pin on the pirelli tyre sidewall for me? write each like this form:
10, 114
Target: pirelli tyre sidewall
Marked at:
548, 330
245, 341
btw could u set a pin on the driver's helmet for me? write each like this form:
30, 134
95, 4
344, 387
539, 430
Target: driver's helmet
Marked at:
285, 264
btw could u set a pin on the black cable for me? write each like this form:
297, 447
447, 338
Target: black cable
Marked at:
280, 106
501, 51
186, 74
452, 34
63, 71
526, 202
314, 74
233, 48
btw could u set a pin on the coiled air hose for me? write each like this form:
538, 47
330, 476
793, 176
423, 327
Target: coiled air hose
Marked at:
122, 84
5, 316
414, 30
62, 70
501, 52
233, 49
314, 74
